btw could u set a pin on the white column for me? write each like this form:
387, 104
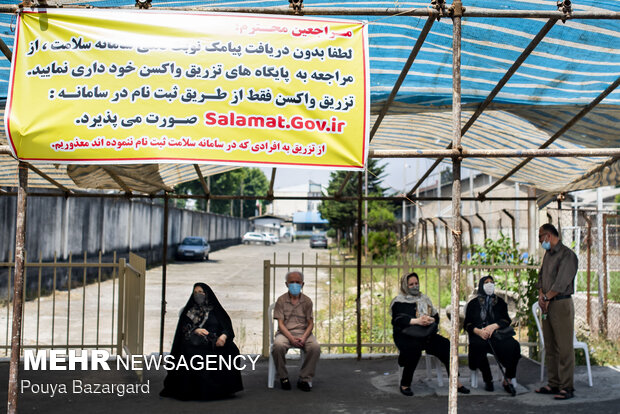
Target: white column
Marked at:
517, 222
532, 227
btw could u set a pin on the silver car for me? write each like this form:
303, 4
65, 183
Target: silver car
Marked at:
253, 237
269, 236
193, 248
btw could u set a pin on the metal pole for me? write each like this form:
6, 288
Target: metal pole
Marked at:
599, 254
18, 287
209, 199
456, 206
164, 266
358, 299
404, 213
528, 153
605, 276
517, 221
393, 11
366, 212
512, 225
5, 50
266, 304
589, 263
439, 195
255, 197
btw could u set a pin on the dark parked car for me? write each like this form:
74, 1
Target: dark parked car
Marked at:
193, 248
318, 240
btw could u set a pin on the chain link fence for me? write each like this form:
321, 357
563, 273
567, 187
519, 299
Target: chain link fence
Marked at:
593, 235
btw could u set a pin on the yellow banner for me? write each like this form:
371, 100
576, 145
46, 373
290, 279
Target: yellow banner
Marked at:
116, 86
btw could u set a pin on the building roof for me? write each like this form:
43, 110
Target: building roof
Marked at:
308, 217
267, 216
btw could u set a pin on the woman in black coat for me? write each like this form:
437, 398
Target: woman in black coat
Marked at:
485, 314
204, 329
412, 308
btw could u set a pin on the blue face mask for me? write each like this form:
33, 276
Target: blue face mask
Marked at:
546, 245
294, 288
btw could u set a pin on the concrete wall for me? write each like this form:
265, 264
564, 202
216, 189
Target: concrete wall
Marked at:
64, 226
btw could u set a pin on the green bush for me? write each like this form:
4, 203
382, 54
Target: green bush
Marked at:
382, 243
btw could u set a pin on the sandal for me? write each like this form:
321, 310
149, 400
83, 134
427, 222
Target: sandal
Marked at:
510, 389
547, 390
564, 395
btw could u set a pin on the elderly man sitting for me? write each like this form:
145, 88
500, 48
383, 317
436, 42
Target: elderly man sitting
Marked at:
293, 310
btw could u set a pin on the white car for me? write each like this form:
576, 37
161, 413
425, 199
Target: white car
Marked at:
252, 237
269, 236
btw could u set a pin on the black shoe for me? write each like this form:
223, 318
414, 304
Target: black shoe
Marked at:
510, 389
285, 383
406, 391
304, 386
488, 386
463, 389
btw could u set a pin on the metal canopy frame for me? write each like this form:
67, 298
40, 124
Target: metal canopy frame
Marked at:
455, 151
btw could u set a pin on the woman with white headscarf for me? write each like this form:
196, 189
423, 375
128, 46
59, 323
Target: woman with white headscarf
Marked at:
415, 321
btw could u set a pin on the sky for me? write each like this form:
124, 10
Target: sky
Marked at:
398, 171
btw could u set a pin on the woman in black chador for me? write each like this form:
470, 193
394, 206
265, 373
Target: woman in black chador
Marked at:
485, 319
204, 328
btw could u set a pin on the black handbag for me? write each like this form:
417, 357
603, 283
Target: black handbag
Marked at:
200, 340
504, 333
421, 331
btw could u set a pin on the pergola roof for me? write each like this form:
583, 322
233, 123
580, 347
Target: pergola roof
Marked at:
571, 66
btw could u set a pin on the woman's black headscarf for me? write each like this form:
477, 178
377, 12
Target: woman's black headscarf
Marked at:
193, 313
486, 302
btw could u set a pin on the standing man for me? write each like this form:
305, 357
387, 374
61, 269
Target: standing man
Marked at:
293, 311
555, 287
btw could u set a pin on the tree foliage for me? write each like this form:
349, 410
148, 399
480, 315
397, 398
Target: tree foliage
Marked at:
342, 214
246, 181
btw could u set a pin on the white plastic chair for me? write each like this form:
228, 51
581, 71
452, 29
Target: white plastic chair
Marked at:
427, 361
576, 345
271, 373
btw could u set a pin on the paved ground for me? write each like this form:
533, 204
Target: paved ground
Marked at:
342, 386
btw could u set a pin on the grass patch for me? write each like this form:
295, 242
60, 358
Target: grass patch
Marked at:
603, 351
614, 284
